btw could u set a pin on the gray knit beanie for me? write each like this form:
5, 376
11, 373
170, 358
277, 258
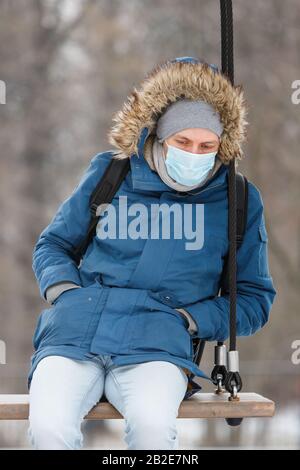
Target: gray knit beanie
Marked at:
184, 114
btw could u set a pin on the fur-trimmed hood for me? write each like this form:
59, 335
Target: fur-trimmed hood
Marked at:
172, 80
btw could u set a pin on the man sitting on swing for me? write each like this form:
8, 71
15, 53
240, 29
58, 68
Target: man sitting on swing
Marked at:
123, 321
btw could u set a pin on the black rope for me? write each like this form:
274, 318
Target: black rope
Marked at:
228, 70
227, 39
232, 256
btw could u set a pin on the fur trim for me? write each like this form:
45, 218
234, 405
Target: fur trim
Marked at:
168, 82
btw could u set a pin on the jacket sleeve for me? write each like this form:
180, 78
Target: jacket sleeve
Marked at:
255, 289
52, 261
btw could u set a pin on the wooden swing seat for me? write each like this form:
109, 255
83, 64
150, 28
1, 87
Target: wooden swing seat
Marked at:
200, 405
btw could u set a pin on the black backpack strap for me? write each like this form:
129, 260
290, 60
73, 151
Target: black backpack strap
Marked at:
104, 192
241, 207
241, 222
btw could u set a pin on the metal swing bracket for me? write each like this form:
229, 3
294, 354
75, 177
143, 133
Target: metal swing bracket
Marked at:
233, 381
219, 372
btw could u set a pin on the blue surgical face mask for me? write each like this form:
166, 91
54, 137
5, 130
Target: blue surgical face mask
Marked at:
188, 168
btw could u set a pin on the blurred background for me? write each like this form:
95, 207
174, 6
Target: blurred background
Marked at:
68, 66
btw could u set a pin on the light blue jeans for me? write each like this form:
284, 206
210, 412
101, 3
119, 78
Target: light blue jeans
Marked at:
63, 390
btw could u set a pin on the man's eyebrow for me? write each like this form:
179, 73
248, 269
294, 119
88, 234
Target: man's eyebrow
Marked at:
206, 142
182, 136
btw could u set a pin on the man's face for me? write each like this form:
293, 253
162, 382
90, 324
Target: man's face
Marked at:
194, 140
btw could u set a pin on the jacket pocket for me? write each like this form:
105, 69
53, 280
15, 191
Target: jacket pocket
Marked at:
160, 328
157, 303
68, 321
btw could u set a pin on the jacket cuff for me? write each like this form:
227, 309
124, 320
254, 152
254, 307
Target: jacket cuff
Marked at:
192, 329
54, 291
207, 320
56, 274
